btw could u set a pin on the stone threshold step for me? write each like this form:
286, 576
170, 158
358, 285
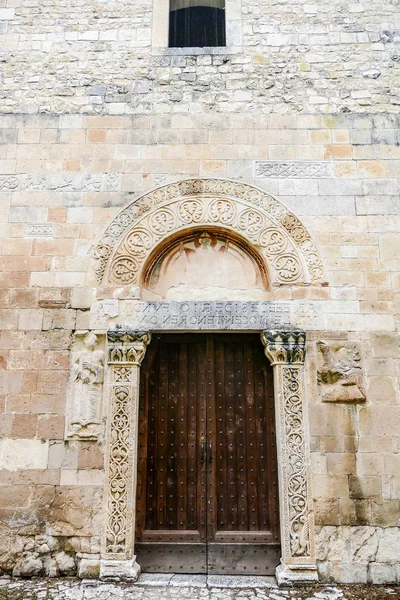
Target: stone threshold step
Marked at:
203, 581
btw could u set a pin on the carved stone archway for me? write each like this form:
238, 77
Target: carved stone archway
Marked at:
290, 257
286, 353
282, 242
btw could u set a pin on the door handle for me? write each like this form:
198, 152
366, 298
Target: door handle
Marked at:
210, 452
202, 449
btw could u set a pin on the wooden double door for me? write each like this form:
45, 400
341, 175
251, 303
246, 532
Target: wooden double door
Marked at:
207, 490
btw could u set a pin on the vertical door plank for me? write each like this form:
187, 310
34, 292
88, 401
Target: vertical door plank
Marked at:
182, 438
252, 449
172, 437
241, 440
147, 447
143, 482
209, 450
200, 392
221, 471
162, 440
231, 518
260, 374
272, 460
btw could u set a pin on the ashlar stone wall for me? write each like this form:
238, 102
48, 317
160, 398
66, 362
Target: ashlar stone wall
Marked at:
285, 57
64, 178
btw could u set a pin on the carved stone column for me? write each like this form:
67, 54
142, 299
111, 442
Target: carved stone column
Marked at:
126, 350
286, 353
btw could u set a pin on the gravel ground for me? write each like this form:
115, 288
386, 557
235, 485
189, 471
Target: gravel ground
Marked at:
175, 589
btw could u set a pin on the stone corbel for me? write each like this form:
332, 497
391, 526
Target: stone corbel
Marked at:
286, 352
125, 353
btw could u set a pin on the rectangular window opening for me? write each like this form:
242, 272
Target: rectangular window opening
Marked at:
197, 23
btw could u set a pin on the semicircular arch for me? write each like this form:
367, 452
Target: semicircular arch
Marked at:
271, 230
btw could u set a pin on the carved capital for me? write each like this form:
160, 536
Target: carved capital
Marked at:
284, 347
126, 346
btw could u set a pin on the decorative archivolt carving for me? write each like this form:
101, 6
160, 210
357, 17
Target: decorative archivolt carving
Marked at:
286, 352
284, 244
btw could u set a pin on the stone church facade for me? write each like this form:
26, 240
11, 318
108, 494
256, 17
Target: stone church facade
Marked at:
173, 213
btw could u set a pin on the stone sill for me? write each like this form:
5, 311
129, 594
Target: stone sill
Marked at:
207, 51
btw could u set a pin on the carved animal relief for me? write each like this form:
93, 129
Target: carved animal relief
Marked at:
340, 376
87, 377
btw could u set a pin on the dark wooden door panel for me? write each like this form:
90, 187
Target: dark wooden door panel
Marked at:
243, 481
172, 558
207, 474
171, 497
242, 559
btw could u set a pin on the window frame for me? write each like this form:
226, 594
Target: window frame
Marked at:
233, 24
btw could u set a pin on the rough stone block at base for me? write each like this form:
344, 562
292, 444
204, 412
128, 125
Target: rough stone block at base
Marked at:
88, 565
382, 573
287, 575
119, 569
345, 572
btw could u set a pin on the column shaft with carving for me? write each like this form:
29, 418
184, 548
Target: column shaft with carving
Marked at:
126, 350
286, 353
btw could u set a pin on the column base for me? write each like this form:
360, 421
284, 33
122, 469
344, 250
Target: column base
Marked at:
119, 570
287, 575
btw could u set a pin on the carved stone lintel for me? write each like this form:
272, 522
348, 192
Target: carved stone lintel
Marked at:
286, 353
126, 350
284, 346
119, 570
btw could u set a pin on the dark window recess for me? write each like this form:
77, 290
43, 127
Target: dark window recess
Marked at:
197, 26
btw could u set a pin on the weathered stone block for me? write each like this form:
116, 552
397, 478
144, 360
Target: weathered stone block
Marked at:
23, 454
389, 545
365, 487
88, 566
382, 573
348, 572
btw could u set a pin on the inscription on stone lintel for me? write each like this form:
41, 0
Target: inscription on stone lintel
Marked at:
211, 315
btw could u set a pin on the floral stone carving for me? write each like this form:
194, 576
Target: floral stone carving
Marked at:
126, 350
286, 353
85, 401
340, 375
282, 242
